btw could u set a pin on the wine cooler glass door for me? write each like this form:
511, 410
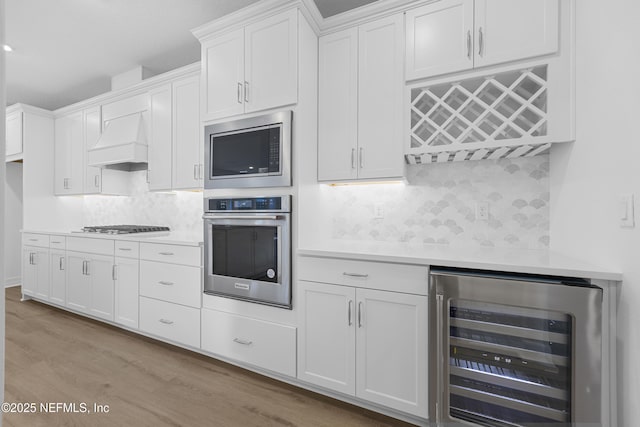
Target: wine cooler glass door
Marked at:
517, 351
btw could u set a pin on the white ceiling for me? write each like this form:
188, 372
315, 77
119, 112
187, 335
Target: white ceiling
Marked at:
65, 51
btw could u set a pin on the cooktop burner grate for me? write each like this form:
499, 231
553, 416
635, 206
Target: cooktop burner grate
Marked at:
124, 229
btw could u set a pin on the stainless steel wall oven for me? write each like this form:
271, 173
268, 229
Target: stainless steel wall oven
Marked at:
515, 350
248, 249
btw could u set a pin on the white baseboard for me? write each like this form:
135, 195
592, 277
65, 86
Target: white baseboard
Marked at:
10, 282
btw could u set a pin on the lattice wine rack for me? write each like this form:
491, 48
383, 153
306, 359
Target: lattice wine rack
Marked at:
498, 116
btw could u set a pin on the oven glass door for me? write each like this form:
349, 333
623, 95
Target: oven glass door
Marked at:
247, 257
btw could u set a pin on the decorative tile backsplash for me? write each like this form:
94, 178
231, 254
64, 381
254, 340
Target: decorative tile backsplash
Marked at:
438, 205
181, 211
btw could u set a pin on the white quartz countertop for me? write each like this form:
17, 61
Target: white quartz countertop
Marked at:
497, 259
166, 237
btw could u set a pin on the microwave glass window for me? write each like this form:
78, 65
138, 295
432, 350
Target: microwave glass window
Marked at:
246, 252
252, 152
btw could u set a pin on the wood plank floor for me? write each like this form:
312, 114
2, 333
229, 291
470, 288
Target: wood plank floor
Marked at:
55, 356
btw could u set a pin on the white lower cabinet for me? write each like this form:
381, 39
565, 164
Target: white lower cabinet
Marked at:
363, 342
90, 284
126, 277
267, 345
174, 322
35, 272
58, 265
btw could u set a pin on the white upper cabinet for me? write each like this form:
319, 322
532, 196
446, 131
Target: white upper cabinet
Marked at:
14, 136
338, 105
160, 138
187, 143
92, 130
252, 68
456, 35
69, 154
223, 63
380, 85
508, 30
360, 102
175, 143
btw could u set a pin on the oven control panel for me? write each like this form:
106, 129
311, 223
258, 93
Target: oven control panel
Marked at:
254, 204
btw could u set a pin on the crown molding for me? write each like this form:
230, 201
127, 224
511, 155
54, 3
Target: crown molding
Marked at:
143, 86
28, 109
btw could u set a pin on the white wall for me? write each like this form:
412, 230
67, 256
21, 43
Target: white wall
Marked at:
13, 223
588, 175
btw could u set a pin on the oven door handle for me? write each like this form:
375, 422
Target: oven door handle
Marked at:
247, 217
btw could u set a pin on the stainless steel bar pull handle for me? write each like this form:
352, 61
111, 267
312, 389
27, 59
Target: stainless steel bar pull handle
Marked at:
246, 91
350, 311
239, 93
480, 42
162, 282
166, 253
353, 158
84, 268
195, 172
439, 349
360, 314
88, 268
33, 240
124, 249
241, 341
166, 321
114, 272
200, 174
96, 181
469, 50
361, 157
358, 275
61, 263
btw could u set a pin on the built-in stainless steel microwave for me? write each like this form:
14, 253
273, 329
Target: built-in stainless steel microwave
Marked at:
251, 152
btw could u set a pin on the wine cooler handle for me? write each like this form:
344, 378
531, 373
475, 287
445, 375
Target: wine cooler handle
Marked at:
440, 362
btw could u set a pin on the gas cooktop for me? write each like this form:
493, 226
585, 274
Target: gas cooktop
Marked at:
123, 229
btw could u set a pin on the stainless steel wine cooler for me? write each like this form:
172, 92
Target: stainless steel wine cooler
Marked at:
515, 350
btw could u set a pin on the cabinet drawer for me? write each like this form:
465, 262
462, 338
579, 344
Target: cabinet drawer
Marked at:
384, 276
264, 344
188, 255
57, 242
170, 321
127, 249
173, 283
31, 239
92, 246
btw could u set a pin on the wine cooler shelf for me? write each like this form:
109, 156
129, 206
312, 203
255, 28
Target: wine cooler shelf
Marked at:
512, 363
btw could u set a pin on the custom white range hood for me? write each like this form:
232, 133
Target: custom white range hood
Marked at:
122, 145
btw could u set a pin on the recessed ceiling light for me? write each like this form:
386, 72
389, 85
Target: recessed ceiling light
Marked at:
7, 48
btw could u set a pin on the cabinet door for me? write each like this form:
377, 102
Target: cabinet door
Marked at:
439, 38
223, 75
271, 62
126, 292
160, 141
338, 105
14, 134
508, 30
41, 261
69, 154
78, 285
92, 129
100, 272
57, 264
29, 272
186, 134
380, 89
326, 348
392, 350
